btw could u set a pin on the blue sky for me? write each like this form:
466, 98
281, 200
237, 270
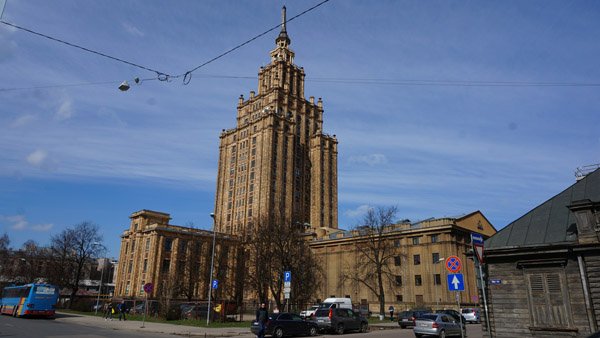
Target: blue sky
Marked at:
433, 103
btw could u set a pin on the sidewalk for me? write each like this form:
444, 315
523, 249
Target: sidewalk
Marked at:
165, 328
173, 329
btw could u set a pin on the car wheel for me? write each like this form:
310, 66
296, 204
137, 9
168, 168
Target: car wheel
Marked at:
278, 332
364, 327
418, 335
339, 329
312, 331
442, 334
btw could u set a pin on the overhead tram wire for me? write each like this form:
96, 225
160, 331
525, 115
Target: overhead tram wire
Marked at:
159, 75
187, 76
162, 76
69, 85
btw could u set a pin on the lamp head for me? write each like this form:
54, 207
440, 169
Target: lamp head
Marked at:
212, 215
124, 86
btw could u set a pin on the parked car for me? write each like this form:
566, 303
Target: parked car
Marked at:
455, 314
287, 324
437, 324
471, 315
407, 318
340, 320
193, 311
309, 312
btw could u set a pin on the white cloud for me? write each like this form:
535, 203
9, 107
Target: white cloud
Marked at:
22, 121
371, 160
131, 29
65, 111
19, 222
37, 158
359, 211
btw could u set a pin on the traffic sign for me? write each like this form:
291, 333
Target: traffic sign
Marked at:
453, 264
456, 282
148, 287
477, 241
287, 276
215, 284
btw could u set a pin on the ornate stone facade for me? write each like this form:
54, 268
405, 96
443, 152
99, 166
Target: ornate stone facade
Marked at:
277, 164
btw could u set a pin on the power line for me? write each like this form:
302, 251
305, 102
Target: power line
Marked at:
69, 85
160, 75
188, 75
366, 81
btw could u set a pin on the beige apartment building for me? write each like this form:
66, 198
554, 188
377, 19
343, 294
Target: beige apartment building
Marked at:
417, 273
173, 258
277, 164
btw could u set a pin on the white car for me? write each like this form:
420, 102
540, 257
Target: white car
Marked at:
309, 312
471, 315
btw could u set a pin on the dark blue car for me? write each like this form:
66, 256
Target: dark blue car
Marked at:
287, 324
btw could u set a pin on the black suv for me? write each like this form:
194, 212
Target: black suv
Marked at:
340, 320
407, 318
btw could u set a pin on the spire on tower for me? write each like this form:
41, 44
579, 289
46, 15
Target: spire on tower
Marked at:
283, 37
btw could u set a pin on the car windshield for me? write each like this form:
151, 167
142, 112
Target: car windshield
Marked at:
322, 313
428, 317
467, 310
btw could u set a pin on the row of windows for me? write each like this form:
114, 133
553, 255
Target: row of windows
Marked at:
417, 240
435, 259
437, 280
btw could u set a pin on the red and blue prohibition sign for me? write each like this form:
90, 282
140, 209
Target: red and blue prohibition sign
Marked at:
453, 264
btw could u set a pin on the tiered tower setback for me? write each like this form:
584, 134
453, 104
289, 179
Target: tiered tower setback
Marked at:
277, 165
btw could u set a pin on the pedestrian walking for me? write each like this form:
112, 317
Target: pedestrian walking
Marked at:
391, 309
122, 308
110, 310
262, 317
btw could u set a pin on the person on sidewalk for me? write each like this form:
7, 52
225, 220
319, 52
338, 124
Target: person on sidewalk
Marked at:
262, 317
108, 315
122, 307
391, 309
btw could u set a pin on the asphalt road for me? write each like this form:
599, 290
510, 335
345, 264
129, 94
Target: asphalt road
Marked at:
67, 326
49, 328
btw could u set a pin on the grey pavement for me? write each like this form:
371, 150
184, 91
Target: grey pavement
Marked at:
174, 329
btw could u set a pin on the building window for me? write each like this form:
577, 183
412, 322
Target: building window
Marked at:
437, 279
165, 265
415, 240
168, 244
182, 246
548, 299
398, 280
435, 257
417, 259
145, 265
418, 280
130, 266
147, 244
132, 246
396, 243
399, 298
397, 260
434, 238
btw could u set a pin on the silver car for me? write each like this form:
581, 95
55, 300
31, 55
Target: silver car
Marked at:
437, 324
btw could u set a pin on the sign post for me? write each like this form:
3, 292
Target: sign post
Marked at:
287, 286
456, 281
148, 288
477, 242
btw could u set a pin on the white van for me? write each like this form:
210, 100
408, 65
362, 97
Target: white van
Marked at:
342, 303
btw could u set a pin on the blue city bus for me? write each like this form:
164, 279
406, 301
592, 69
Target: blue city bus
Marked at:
29, 300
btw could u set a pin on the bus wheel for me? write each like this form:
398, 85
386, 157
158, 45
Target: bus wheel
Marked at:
15, 311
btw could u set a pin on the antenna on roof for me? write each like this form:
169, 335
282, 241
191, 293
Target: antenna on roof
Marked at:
582, 172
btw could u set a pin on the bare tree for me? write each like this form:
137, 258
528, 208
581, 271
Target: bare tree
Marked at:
29, 258
277, 247
5, 267
375, 254
72, 251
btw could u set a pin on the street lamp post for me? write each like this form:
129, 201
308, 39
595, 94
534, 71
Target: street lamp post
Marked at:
437, 300
212, 262
100, 287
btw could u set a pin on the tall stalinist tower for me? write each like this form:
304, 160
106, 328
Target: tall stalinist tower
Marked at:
277, 165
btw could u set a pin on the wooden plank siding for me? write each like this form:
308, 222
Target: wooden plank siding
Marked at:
512, 313
592, 264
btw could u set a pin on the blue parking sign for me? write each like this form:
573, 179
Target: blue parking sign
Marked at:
287, 276
215, 284
456, 282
